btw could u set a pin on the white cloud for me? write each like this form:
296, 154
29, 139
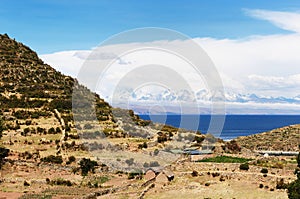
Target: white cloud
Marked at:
285, 20
67, 62
264, 65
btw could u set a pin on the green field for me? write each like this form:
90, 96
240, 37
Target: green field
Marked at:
225, 159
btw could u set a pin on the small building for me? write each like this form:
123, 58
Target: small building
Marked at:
199, 155
150, 174
159, 174
169, 174
161, 178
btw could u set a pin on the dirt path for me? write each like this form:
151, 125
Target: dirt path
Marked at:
62, 123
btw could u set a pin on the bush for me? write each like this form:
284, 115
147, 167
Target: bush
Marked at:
215, 174
51, 131
233, 146
225, 159
87, 165
195, 173
154, 164
129, 161
294, 187
156, 151
58, 130
261, 186
244, 166
162, 138
26, 183
281, 185
3, 153
1, 126
61, 182
264, 170
26, 131
88, 126
52, 159
28, 122
144, 145
135, 174
71, 159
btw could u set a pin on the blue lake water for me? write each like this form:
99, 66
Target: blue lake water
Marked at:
234, 126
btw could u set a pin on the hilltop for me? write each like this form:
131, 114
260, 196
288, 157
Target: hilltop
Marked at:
281, 139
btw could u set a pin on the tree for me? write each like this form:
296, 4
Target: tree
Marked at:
87, 165
294, 187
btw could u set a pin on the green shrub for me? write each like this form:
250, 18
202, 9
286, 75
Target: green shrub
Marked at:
87, 165
261, 186
233, 146
135, 174
162, 138
1, 127
294, 187
144, 145
264, 170
26, 131
26, 183
129, 161
154, 164
61, 182
156, 151
58, 130
281, 185
51, 131
3, 154
71, 159
244, 166
28, 122
52, 159
225, 159
195, 173
88, 126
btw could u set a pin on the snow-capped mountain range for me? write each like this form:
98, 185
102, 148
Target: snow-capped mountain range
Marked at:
203, 95
236, 103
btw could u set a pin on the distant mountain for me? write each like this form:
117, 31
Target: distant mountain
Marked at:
200, 96
237, 103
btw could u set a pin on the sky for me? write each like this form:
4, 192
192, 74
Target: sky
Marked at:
56, 25
254, 45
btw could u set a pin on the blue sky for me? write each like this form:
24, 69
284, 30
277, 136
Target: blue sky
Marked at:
254, 44
55, 25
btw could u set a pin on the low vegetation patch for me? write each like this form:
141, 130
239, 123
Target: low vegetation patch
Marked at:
244, 166
52, 159
225, 159
60, 182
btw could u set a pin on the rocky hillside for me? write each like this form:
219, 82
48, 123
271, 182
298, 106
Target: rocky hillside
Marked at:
281, 139
37, 99
27, 82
